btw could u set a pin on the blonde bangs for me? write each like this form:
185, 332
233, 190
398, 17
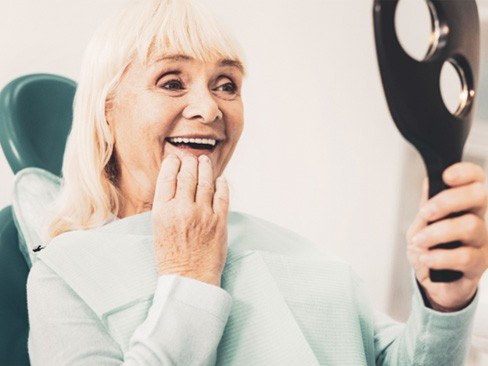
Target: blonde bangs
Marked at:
186, 28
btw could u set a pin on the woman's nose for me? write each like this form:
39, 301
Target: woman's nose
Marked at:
203, 107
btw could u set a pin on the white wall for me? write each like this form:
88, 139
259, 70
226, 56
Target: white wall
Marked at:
319, 154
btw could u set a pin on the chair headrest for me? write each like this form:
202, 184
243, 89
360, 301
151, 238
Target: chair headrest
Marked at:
36, 112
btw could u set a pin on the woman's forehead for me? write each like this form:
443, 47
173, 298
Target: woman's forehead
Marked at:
217, 60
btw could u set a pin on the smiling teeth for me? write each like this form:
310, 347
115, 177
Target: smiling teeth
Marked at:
192, 140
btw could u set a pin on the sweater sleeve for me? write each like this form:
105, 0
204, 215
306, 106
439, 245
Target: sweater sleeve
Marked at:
428, 338
184, 324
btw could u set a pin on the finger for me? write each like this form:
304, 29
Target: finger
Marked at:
422, 273
166, 183
424, 197
465, 259
221, 197
413, 253
471, 197
187, 178
468, 228
419, 222
417, 225
463, 173
205, 187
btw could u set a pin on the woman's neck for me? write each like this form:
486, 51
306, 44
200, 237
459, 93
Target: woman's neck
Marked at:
136, 196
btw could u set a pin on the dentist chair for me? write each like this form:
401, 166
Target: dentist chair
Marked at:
35, 119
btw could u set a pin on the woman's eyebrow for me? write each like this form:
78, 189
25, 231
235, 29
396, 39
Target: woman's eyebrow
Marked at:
222, 63
176, 58
232, 63
173, 58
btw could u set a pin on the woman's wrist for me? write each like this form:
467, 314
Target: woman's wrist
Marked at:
431, 303
209, 278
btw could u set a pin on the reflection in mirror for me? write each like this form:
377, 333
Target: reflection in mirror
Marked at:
417, 28
454, 87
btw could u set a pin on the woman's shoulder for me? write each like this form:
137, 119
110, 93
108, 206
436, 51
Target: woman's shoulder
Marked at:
112, 233
45, 288
40, 273
76, 243
96, 252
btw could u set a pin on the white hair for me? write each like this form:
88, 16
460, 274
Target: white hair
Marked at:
89, 196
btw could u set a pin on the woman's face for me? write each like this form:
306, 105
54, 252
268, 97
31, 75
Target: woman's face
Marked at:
174, 105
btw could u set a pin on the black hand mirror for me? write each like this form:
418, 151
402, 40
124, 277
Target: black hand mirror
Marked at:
413, 91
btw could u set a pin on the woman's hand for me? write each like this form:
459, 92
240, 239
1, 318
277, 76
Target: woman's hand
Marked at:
467, 193
189, 219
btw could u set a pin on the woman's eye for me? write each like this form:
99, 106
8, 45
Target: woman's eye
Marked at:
229, 87
173, 85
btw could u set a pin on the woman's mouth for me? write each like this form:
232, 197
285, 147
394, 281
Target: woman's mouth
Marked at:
193, 143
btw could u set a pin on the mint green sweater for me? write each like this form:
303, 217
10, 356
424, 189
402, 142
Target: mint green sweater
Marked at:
95, 298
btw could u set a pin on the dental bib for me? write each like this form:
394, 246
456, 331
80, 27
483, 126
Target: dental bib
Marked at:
290, 298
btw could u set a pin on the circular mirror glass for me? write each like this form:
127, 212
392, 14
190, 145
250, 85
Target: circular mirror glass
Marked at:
454, 88
417, 28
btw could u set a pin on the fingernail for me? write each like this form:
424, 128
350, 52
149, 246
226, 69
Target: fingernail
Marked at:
203, 158
428, 211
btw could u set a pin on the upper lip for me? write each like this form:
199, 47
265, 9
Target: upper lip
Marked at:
213, 137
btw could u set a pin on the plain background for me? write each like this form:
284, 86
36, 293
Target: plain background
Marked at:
319, 154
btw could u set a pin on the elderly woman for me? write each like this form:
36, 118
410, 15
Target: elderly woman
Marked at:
146, 265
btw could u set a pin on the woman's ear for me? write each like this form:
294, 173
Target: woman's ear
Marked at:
109, 104
109, 115
109, 131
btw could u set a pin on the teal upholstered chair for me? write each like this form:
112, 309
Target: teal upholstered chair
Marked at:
35, 119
